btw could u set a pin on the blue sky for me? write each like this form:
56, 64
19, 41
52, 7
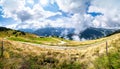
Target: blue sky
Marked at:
78, 14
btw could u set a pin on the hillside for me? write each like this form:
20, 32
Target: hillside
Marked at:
6, 32
89, 33
115, 32
17, 35
91, 54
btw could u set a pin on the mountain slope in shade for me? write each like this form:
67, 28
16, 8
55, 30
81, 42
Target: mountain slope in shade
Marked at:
89, 33
27, 30
115, 32
51, 31
93, 33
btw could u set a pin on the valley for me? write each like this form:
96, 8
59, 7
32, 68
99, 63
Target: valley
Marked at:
29, 51
59, 34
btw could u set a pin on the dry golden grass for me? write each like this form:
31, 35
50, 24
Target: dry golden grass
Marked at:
85, 56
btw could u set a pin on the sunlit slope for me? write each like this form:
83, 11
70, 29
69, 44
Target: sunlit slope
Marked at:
18, 55
50, 41
28, 51
16, 35
6, 32
54, 41
38, 40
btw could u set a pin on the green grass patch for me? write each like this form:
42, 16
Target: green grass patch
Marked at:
112, 61
37, 40
18, 39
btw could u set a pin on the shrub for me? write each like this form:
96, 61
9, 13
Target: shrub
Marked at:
6, 54
51, 60
69, 65
1, 65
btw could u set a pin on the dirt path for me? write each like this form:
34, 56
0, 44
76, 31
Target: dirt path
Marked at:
64, 47
61, 42
101, 43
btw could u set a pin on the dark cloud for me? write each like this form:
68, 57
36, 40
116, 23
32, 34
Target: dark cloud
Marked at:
24, 15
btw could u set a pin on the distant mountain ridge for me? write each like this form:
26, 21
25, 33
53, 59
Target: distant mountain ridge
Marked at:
27, 30
68, 33
52, 31
115, 32
96, 32
89, 33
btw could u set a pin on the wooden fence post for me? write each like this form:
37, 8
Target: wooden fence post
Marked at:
2, 48
106, 48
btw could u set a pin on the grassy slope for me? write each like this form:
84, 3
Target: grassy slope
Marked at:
112, 60
6, 32
26, 37
38, 40
18, 55
55, 41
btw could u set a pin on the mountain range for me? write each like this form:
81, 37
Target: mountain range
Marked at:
23, 50
68, 33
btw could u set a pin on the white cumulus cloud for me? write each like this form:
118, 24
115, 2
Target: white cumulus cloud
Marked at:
35, 16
